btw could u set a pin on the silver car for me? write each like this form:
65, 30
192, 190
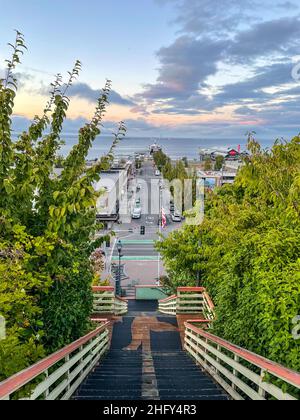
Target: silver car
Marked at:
137, 213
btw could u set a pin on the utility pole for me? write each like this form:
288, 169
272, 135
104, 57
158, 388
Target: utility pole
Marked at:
118, 277
198, 271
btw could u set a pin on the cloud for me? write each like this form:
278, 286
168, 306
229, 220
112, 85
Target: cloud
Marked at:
84, 91
275, 36
254, 38
214, 17
185, 64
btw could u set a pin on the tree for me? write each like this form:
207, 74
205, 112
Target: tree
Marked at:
47, 223
219, 163
249, 254
208, 164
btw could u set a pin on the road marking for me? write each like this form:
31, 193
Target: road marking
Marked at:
143, 258
138, 242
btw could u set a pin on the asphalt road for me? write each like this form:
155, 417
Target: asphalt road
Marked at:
136, 246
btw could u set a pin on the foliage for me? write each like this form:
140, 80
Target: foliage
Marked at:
220, 160
247, 251
47, 223
208, 165
177, 171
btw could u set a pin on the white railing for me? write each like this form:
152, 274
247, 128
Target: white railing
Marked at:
208, 307
168, 306
189, 300
243, 375
58, 376
105, 302
121, 306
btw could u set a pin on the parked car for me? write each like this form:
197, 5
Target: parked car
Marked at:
137, 213
176, 218
157, 173
172, 208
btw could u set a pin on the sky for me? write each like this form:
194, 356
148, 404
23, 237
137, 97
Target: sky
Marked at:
179, 68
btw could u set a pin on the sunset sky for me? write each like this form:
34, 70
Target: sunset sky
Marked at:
185, 68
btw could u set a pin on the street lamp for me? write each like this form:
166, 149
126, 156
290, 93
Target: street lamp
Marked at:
118, 282
198, 271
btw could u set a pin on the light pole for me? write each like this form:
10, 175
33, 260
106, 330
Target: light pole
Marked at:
118, 277
198, 271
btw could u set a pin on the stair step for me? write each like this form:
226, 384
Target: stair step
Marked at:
110, 398
109, 393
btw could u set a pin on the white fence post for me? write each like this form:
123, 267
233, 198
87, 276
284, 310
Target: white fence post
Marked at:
2, 328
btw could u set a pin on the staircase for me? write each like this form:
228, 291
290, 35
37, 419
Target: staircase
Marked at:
178, 378
147, 362
140, 357
118, 377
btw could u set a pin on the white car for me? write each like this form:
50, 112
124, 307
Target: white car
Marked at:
137, 213
176, 218
157, 173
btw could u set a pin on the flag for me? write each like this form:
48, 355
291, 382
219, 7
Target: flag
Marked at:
163, 218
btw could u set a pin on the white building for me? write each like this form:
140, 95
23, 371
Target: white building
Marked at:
114, 185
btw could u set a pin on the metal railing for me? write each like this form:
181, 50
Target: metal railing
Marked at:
105, 302
242, 374
189, 300
58, 376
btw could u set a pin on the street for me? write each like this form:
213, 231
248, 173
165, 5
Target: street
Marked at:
142, 262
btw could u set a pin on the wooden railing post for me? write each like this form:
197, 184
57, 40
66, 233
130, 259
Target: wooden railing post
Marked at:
2, 328
261, 391
47, 392
235, 372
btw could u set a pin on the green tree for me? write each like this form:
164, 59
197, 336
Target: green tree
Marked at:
220, 160
249, 253
47, 222
207, 164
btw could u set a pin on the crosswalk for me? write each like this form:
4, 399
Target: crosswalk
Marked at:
137, 250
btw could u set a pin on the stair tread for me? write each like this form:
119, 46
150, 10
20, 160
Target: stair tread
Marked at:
119, 376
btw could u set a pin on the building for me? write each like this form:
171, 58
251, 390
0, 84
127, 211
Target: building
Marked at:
154, 148
114, 186
227, 154
218, 177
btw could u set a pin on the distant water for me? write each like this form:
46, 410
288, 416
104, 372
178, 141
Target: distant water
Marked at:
176, 148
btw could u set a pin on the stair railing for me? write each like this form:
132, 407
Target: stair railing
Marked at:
105, 302
168, 306
58, 376
121, 306
242, 374
189, 300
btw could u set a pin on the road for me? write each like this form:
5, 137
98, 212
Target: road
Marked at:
139, 255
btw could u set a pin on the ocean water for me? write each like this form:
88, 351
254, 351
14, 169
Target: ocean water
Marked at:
176, 148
